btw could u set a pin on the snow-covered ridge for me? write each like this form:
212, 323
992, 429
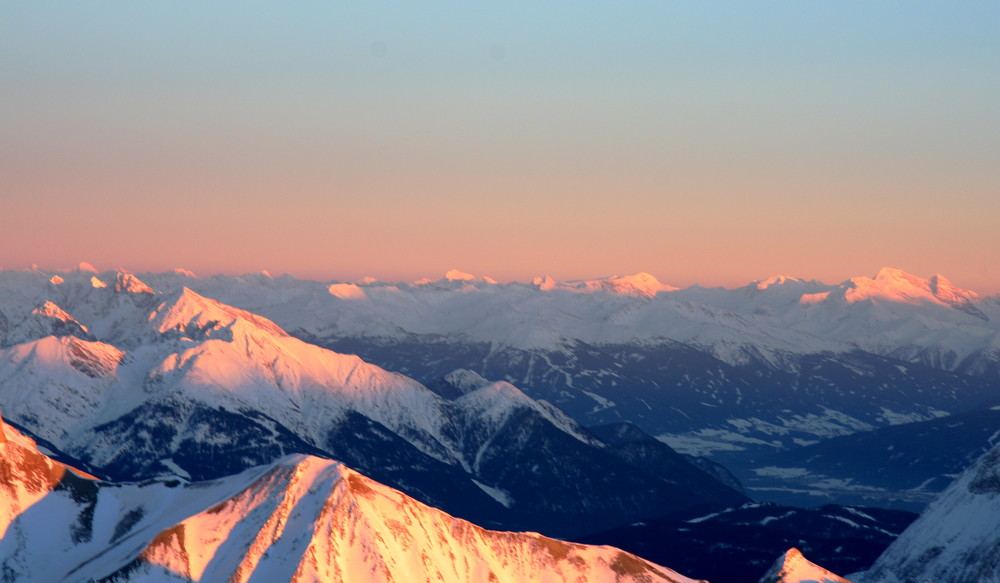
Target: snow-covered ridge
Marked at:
299, 519
897, 285
893, 313
793, 567
639, 285
188, 311
494, 402
956, 538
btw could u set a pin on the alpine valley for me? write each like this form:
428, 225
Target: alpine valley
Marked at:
167, 427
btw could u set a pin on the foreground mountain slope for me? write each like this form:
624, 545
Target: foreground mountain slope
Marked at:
956, 539
60, 525
314, 520
299, 519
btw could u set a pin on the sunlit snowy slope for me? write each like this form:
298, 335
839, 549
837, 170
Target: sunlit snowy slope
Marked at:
792, 567
299, 519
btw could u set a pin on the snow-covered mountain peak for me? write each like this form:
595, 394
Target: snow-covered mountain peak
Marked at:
946, 291
51, 310
896, 285
127, 282
776, 280
793, 567
888, 284
93, 359
544, 282
457, 275
301, 518
193, 313
640, 284
499, 393
465, 380
84, 267
494, 399
497, 402
347, 291
97, 283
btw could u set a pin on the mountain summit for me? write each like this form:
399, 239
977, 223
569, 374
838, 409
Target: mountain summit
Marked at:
793, 567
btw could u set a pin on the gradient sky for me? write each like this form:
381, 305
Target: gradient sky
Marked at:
709, 142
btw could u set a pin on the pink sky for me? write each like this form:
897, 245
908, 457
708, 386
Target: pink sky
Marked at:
702, 146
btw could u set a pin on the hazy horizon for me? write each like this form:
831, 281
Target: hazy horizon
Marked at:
325, 276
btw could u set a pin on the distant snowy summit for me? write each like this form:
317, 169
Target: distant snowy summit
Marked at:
640, 284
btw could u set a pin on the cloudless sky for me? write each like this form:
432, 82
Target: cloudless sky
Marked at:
709, 142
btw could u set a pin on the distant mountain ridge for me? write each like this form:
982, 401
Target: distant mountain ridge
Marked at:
778, 314
956, 328
774, 365
147, 376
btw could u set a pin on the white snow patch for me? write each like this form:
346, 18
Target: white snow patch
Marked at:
602, 403
501, 496
171, 465
347, 291
779, 472
707, 441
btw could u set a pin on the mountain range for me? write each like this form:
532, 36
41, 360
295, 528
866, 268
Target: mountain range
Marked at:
570, 408
734, 374
136, 384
